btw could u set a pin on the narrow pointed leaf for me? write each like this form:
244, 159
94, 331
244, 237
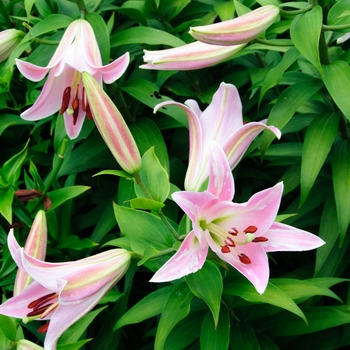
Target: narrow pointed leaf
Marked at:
317, 144
207, 285
243, 337
215, 338
176, 308
310, 23
6, 198
337, 80
341, 184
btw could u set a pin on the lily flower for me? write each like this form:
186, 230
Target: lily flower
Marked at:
9, 39
191, 56
222, 122
240, 234
239, 30
64, 90
36, 247
112, 127
63, 292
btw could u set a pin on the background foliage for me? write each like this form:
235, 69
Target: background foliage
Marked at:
297, 77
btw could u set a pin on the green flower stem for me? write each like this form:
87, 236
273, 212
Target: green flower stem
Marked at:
296, 12
82, 8
53, 174
269, 43
160, 213
323, 50
163, 252
326, 28
46, 42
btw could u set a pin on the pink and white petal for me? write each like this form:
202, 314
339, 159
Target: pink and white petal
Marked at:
257, 272
259, 211
221, 182
224, 114
18, 306
236, 145
31, 71
188, 259
73, 130
49, 101
194, 106
192, 203
282, 237
113, 71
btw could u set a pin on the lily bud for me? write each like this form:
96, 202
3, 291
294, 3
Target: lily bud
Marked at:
191, 56
112, 126
239, 30
36, 247
24, 344
9, 39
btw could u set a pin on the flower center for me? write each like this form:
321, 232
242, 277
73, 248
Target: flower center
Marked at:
230, 240
42, 306
70, 104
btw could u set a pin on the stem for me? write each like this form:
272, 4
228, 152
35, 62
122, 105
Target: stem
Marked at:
323, 50
326, 28
296, 12
270, 43
53, 174
46, 42
82, 8
148, 195
163, 252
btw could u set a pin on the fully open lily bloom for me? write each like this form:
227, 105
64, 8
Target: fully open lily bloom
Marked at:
63, 292
222, 122
240, 234
239, 30
9, 39
64, 90
191, 56
36, 247
112, 127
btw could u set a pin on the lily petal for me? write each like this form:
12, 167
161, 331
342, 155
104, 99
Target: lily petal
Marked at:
188, 259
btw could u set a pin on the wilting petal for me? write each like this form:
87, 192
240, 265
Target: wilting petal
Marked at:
239, 30
282, 237
188, 259
191, 56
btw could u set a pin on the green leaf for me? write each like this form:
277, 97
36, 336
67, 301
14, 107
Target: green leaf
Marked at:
147, 134
6, 198
120, 173
102, 36
319, 318
310, 23
215, 338
150, 306
224, 9
241, 287
318, 141
337, 80
8, 120
339, 13
143, 229
5, 78
154, 178
243, 337
275, 74
74, 242
176, 308
28, 4
168, 9
12, 168
206, 284
287, 104
73, 346
8, 327
341, 184
63, 194
145, 35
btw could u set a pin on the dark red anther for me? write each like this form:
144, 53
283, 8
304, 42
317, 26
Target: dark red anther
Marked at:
34, 303
44, 302
38, 311
230, 242
65, 99
233, 231
225, 249
244, 259
75, 111
260, 239
88, 112
44, 328
250, 229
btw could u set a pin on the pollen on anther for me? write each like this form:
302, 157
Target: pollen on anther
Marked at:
65, 99
260, 239
244, 259
225, 249
250, 229
230, 242
233, 231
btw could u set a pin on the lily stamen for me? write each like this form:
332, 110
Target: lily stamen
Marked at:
65, 99
35, 303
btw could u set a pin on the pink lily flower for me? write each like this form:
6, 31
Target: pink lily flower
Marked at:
9, 39
222, 122
240, 234
112, 127
64, 89
239, 30
63, 292
36, 247
191, 56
